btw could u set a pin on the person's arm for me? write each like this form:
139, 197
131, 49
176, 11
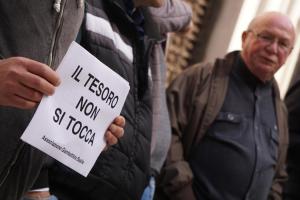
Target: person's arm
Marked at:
280, 177
173, 16
177, 176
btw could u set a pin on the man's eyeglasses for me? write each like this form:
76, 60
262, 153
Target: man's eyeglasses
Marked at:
268, 39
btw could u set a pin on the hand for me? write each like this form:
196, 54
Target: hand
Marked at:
37, 195
115, 130
23, 82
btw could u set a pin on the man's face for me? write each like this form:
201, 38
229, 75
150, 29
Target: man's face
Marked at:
266, 47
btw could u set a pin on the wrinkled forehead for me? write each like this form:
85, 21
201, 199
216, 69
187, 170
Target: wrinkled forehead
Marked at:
277, 24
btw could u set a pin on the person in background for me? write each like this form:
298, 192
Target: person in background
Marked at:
33, 41
229, 125
173, 16
124, 35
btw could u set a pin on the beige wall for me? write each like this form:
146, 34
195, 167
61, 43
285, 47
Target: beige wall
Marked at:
221, 33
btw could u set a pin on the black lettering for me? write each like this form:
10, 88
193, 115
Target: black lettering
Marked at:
57, 112
57, 115
100, 88
103, 97
89, 132
114, 102
110, 96
80, 134
93, 85
81, 104
76, 73
92, 139
95, 113
88, 108
88, 80
74, 131
83, 131
70, 122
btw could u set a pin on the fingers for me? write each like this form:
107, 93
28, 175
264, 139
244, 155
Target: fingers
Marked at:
42, 70
37, 195
120, 120
26, 98
39, 77
28, 94
115, 130
110, 138
113, 133
19, 102
23, 82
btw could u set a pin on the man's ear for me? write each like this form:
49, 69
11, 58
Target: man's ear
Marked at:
244, 36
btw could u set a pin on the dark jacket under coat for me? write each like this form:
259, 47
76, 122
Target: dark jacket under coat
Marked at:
121, 171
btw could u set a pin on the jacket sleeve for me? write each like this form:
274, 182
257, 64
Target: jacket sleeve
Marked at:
280, 178
177, 176
280, 173
174, 15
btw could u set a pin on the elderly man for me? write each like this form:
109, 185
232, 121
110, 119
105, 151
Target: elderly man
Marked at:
229, 128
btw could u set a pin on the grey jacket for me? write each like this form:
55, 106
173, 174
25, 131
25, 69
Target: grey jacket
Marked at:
194, 100
173, 16
32, 29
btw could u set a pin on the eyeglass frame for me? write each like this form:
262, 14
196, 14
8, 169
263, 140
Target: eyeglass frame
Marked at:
269, 39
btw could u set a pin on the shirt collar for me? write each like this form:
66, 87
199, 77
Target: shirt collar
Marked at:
242, 71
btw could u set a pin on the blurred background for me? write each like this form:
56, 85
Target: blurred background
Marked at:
218, 26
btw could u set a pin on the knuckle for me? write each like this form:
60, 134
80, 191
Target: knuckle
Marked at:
108, 134
9, 87
121, 132
36, 95
13, 73
112, 127
20, 61
44, 70
37, 82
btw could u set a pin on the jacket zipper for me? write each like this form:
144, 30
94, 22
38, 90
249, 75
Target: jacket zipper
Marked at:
50, 62
56, 31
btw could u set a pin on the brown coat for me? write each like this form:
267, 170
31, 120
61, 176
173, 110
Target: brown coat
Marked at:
194, 100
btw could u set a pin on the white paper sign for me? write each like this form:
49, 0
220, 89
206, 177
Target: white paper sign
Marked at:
70, 125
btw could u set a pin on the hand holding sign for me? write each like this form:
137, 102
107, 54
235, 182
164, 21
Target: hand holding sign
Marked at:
115, 131
70, 125
24, 81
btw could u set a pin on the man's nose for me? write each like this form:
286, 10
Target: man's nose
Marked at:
273, 47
